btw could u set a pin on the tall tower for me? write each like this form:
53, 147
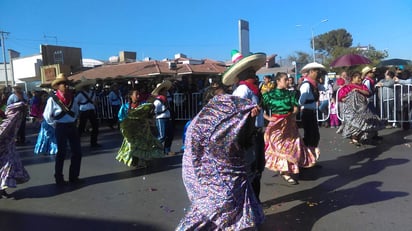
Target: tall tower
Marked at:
244, 37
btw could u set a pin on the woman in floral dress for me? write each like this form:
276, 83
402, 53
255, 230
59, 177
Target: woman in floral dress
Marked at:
12, 171
214, 168
284, 148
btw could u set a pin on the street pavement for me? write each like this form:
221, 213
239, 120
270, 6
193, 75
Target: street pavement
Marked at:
353, 188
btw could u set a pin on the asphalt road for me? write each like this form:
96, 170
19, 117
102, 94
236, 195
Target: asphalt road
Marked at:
356, 188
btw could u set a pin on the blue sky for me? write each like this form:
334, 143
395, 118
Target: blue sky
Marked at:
201, 29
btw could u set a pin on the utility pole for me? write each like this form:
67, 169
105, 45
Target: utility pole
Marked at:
2, 33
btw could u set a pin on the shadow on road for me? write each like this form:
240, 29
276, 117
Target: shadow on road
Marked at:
50, 190
31, 221
328, 196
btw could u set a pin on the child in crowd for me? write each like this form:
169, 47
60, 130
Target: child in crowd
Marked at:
333, 115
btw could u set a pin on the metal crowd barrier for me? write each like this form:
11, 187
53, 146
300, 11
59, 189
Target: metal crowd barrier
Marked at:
103, 108
185, 106
393, 109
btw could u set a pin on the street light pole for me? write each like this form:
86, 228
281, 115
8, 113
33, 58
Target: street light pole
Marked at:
313, 38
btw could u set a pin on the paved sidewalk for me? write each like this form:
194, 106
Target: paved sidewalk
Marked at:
365, 188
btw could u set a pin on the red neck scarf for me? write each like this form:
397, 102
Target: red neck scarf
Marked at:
65, 97
250, 83
313, 82
162, 98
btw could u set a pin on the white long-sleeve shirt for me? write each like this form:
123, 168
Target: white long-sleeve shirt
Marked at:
161, 110
52, 110
244, 92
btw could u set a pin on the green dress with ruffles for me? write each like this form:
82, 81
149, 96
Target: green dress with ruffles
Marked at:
139, 144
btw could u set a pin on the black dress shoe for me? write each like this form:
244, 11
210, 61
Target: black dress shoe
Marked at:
61, 182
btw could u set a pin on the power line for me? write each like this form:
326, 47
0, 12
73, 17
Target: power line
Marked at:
47, 36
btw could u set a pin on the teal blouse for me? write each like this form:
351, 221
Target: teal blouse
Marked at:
280, 101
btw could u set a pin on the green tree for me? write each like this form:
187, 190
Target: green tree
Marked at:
375, 55
327, 42
336, 43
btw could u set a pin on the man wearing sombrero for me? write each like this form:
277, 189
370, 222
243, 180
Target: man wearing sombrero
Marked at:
309, 97
163, 114
87, 111
243, 73
368, 80
61, 112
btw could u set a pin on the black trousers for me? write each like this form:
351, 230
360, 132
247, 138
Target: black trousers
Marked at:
89, 115
259, 164
67, 132
21, 132
115, 111
311, 135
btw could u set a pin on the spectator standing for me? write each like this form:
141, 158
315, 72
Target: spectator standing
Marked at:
324, 97
386, 95
368, 80
115, 100
333, 114
291, 84
405, 80
267, 85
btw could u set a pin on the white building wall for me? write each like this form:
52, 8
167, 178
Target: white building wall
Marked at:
3, 73
27, 68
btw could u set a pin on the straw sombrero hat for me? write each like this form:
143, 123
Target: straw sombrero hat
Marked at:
84, 83
59, 79
366, 70
160, 86
254, 61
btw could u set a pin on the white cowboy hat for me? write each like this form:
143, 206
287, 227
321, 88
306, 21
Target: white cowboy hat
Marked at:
160, 86
84, 83
254, 61
311, 66
59, 79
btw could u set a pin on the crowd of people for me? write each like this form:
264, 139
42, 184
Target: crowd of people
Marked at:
242, 128
61, 115
223, 157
